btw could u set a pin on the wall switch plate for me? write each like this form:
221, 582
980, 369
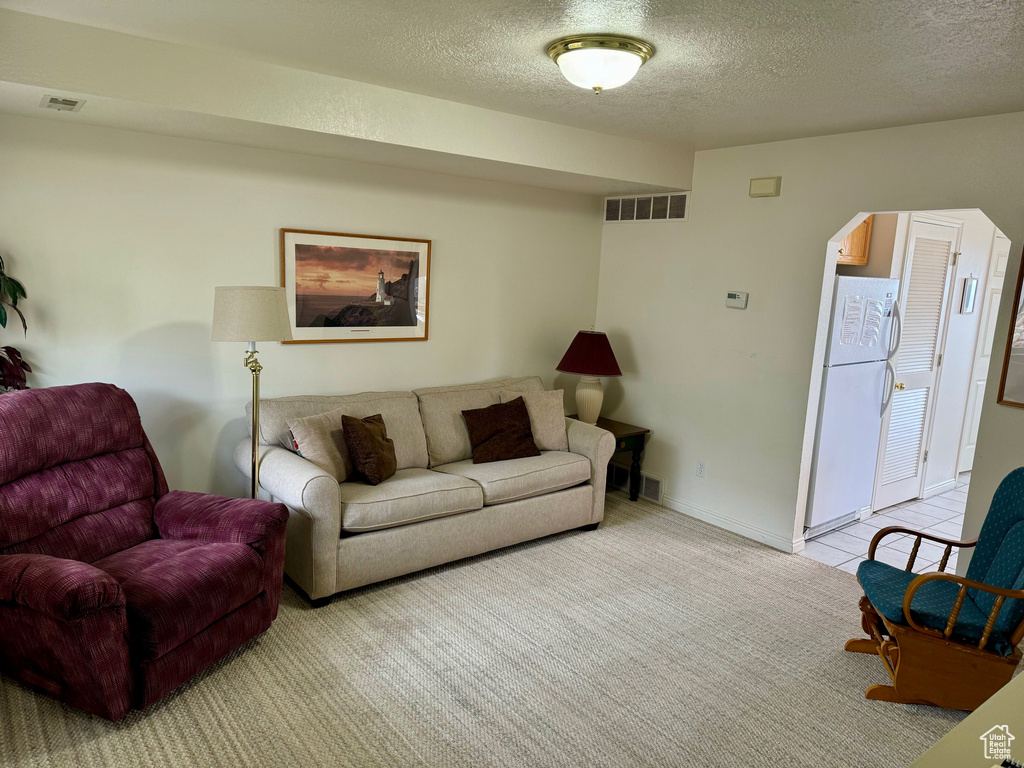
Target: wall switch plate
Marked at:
767, 186
736, 299
701, 469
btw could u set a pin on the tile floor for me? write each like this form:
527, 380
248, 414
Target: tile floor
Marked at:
942, 515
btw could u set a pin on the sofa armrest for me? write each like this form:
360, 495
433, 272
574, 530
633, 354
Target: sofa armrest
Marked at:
598, 445
204, 517
295, 481
311, 558
63, 589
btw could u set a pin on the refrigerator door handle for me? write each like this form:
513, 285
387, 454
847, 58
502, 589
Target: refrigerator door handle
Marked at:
896, 337
888, 389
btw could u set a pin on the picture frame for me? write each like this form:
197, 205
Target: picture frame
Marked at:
1011, 383
342, 287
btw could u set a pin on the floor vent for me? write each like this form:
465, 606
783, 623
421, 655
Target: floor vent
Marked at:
61, 104
673, 206
651, 487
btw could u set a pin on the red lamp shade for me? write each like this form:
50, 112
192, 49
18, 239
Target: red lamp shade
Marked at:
590, 354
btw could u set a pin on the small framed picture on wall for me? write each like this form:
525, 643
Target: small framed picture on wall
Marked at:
344, 287
1011, 386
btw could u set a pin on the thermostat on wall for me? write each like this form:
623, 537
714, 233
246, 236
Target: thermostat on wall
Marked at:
736, 299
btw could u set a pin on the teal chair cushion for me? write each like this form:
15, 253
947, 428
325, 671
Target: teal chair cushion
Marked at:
885, 587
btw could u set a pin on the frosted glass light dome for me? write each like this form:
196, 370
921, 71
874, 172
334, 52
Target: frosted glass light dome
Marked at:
599, 62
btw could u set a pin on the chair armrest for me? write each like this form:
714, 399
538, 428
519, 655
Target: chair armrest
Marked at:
63, 589
297, 482
965, 584
204, 517
877, 538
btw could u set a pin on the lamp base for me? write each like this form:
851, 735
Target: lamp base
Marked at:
589, 398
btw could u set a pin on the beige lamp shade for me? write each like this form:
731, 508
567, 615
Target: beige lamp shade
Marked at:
250, 313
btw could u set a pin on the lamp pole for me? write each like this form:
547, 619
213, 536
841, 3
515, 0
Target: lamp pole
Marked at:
254, 366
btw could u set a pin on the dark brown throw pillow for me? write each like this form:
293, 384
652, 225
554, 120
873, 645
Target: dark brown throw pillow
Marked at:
371, 450
501, 431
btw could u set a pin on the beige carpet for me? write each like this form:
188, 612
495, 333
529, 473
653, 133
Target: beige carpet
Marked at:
657, 640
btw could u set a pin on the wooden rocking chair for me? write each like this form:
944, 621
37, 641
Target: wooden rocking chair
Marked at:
948, 640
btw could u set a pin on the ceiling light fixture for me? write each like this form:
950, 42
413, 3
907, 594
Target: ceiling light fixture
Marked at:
599, 62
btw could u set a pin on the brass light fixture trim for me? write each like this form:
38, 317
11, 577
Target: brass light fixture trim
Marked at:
614, 42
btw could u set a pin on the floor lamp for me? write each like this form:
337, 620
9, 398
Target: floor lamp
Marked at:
251, 313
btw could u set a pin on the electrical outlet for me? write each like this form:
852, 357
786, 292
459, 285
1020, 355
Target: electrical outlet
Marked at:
701, 469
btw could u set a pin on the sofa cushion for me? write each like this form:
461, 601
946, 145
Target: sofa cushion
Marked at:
441, 410
547, 417
275, 411
175, 589
514, 479
409, 496
321, 437
516, 384
445, 428
500, 432
371, 450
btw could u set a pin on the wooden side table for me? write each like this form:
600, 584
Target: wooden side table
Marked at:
628, 438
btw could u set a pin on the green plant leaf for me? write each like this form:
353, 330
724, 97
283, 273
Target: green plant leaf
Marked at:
3, 316
19, 288
7, 289
24, 325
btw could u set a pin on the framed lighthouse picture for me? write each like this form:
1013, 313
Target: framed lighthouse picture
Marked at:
344, 287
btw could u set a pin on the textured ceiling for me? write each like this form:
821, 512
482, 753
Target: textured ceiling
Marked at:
725, 73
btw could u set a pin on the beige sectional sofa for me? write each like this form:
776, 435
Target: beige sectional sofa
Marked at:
439, 506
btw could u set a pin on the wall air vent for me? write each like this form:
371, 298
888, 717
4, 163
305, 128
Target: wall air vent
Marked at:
61, 103
672, 206
651, 487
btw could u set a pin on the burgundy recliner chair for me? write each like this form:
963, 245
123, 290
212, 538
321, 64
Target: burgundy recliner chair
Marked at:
113, 591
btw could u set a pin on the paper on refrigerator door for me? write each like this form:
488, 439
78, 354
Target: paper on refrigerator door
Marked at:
853, 320
874, 314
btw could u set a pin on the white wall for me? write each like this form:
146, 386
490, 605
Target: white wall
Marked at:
120, 237
732, 388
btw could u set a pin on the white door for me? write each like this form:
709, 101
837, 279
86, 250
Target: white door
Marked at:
989, 307
924, 292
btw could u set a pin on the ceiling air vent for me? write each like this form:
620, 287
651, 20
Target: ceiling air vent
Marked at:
672, 206
61, 103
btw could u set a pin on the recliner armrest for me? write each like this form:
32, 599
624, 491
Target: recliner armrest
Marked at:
64, 589
204, 517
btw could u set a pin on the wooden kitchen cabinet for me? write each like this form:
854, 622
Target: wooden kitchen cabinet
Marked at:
854, 248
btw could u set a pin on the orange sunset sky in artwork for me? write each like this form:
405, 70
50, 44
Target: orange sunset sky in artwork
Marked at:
325, 270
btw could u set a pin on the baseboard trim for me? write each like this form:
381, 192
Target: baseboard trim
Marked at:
939, 489
754, 532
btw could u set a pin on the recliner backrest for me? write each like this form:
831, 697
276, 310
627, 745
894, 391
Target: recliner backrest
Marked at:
998, 558
78, 478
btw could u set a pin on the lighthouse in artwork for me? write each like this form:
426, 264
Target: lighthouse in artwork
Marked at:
380, 287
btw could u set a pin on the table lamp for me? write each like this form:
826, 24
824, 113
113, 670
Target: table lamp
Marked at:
251, 313
590, 356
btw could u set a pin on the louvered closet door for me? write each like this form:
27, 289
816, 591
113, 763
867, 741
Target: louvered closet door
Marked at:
924, 297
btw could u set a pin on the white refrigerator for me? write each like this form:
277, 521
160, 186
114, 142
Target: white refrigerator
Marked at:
856, 390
